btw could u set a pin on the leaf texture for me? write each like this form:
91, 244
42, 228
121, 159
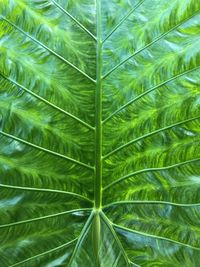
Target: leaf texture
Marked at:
99, 133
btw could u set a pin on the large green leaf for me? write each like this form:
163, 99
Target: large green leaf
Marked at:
99, 133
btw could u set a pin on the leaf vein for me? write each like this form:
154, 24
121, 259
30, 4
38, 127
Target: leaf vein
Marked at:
48, 103
74, 19
148, 91
46, 150
43, 217
149, 202
81, 237
149, 44
123, 19
45, 190
154, 236
148, 135
45, 253
50, 50
110, 226
149, 170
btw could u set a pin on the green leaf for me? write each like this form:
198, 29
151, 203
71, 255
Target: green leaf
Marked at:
99, 133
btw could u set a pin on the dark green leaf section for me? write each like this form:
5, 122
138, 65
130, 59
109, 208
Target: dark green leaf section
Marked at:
99, 133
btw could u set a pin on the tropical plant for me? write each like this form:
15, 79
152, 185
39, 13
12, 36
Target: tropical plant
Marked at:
99, 133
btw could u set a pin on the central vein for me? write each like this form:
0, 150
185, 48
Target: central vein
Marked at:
98, 111
98, 141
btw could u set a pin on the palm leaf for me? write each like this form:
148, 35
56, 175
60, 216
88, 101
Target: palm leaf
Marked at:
99, 133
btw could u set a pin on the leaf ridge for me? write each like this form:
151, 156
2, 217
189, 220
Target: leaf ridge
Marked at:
149, 44
45, 253
81, 237
123, 20
48, 103
147, 135
148, 91
49, 50
74, 19
155, 236
149, 202
46, 150
135, 265
110, 226
45, 190
149, 170
98, 112
43, 217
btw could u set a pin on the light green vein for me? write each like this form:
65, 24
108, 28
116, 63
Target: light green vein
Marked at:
135, 265
45, 190
154, 236
81, 238
98, 113
74, 19
148, 135
47, 102
148, 91
149, 44
149, 202
149, 170
46, 150
45, 253
110, 227
123, 20
50, 50
43, 217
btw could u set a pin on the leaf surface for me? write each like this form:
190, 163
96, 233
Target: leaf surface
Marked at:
99, 133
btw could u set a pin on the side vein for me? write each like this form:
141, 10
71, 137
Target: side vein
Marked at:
110, 226
123, 19
148, 135
81, 238
149, 44
150, 202
149, 170
45, 190
43, 217
154, 236
46, 150
49, 49
47, 102
148, 91
45, 253
74, 19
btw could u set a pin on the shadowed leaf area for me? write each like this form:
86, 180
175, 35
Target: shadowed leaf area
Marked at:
99, 133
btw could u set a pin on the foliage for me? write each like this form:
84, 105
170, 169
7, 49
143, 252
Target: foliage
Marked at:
99, 133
